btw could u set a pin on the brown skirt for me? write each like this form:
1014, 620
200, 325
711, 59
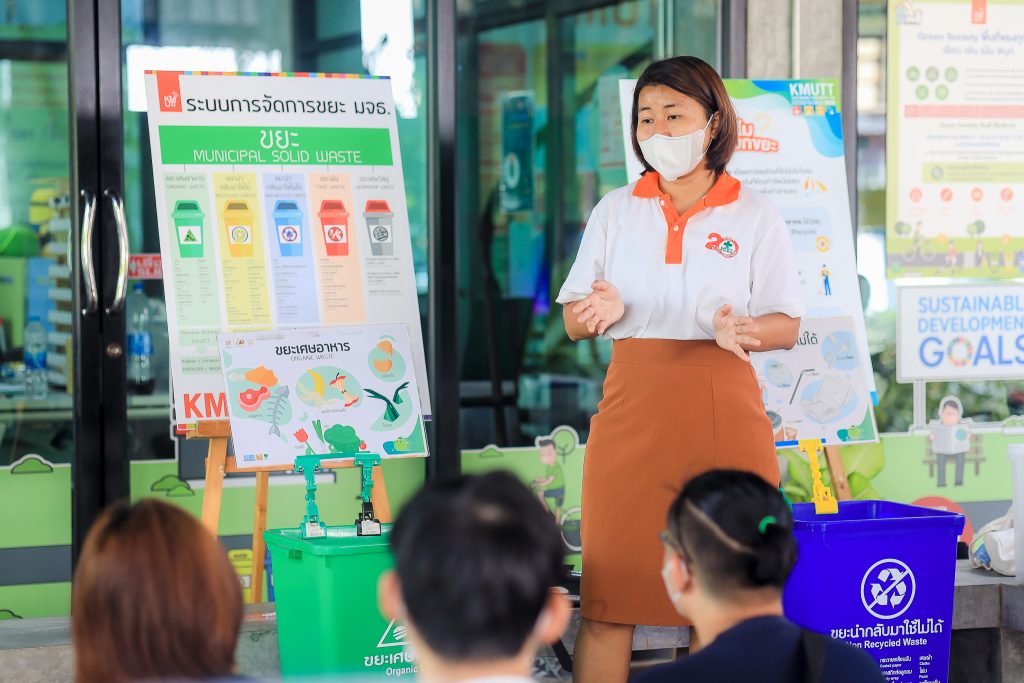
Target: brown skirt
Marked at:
671, 411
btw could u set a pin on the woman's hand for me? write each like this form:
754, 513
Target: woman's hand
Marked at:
602, 309
733, 332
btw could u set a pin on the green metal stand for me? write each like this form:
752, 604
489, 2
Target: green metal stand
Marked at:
311, 526
367, 523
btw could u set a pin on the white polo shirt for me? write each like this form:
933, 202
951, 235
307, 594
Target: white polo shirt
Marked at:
674, 272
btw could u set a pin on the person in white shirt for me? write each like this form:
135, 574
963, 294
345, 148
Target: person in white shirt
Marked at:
476, 561
687, 271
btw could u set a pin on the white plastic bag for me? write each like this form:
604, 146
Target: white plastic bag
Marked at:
992, 547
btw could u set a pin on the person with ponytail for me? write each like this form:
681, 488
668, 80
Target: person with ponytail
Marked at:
729, 549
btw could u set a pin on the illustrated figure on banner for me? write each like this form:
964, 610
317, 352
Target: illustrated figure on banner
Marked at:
551, 487
950, 438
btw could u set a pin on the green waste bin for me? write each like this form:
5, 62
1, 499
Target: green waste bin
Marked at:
188, 225
326, 595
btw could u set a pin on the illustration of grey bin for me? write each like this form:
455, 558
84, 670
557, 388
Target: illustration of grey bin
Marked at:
379, 221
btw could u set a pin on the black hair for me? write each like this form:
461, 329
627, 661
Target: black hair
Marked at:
476, 557
546, 441
951, 403
735, 531
698, 80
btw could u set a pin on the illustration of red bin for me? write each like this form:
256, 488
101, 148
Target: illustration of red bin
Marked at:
334, 222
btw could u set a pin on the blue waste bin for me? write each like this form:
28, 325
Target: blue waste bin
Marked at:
880, 576
288, 220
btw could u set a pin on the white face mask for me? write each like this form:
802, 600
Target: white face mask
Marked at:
666, 577
674, 157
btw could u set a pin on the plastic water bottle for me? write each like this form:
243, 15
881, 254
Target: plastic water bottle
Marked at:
35, 359
140, 343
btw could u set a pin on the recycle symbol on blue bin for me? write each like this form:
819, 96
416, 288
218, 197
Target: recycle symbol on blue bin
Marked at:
888, 589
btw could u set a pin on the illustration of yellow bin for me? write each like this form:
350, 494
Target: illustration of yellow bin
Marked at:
188, 224
237, 219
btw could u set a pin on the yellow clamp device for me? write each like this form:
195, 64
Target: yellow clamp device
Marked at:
824, 502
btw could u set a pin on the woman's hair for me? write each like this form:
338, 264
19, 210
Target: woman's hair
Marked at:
698, 80
154, 596
734, 531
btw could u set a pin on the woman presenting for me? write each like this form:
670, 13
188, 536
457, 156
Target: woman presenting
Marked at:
687, 271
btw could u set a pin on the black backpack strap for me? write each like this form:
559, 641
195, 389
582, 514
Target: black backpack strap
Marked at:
813, 645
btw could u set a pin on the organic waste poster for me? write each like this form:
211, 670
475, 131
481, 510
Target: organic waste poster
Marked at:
281, 205
334, 392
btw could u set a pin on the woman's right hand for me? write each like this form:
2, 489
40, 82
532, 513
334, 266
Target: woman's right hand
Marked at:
602, 309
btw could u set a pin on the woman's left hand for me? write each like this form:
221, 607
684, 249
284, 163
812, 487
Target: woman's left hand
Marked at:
732, 332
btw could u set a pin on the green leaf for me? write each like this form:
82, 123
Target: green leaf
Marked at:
798, 470
866, 461
796, 493
861, 487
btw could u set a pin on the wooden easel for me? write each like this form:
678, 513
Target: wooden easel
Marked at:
840, 484
218, 464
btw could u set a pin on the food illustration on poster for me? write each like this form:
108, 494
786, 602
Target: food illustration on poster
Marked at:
283, 207
334, 391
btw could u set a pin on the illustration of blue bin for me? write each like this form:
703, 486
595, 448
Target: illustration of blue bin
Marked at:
288, 219
879, 575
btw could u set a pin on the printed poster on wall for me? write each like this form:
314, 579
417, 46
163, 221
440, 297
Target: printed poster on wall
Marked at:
790, 149
337, 391
955, 139
516, 188
963, 332
819, 389
281, 205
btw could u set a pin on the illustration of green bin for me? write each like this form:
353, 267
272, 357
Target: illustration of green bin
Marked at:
188, 224
326, 595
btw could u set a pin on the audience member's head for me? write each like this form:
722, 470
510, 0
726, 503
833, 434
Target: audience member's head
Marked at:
729, 542
154, 597
476, 558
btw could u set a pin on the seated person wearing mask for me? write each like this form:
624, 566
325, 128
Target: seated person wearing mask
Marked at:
729, 549
476, 558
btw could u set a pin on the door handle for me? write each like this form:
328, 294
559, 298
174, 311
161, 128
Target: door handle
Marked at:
124, 252
92, 297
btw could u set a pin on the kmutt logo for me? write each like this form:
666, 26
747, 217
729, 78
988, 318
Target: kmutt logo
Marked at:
888, 589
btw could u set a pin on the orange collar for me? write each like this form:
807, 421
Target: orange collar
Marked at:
726, 190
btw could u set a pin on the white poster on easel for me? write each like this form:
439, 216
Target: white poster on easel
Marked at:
790, 149
281, 205
334, 392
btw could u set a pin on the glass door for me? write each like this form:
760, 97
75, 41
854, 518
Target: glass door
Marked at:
341, 36
52, 481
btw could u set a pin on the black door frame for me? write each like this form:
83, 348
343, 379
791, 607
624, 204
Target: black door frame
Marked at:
99, 464
87, 486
